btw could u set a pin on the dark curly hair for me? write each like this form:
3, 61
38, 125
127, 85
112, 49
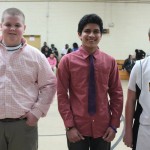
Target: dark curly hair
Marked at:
90, 18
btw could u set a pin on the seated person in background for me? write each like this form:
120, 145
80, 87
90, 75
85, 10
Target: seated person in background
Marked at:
128, 64
43, 47
55, 52
69, 50
75, 46
45, 50
140, 54
65, 50
53, 47
52, 61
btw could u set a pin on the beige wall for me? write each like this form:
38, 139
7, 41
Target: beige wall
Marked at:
57, 22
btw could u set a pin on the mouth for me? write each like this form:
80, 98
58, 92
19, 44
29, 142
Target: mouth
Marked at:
12, 34
91, 41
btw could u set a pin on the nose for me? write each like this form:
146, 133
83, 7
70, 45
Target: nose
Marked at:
91, 34
12, 28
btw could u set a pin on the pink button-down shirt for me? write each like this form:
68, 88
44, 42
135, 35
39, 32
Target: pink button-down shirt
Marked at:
27, 82
72, 90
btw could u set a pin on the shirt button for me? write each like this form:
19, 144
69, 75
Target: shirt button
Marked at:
93, 120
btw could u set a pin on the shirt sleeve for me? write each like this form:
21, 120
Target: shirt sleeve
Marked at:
116, 95
46, 81
133, 77
63, 78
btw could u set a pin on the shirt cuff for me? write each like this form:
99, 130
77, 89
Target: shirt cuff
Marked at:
37, 113
115, 123
69, 124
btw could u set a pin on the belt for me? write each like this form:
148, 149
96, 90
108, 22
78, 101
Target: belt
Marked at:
11, 119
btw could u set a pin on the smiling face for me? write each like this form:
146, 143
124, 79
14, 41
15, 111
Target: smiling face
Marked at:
12, 29
90, 37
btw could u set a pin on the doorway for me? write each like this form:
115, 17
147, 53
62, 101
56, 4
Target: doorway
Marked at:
34, 40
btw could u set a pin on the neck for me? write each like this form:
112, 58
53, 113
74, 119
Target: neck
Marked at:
90, 50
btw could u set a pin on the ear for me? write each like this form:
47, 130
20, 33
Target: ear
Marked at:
79, 35
24, 27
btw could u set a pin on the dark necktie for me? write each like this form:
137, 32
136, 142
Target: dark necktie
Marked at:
92, 89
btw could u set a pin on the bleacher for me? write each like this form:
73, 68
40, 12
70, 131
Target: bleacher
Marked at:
124, 75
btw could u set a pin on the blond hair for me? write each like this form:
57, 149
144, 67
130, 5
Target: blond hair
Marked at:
13, 12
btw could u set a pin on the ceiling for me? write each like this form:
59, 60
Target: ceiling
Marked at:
108, 1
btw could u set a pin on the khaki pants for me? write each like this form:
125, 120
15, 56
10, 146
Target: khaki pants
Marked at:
17, 135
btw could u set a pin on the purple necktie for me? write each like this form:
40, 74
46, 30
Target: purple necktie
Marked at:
92, 89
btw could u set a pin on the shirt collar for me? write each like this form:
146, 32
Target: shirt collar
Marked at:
85, 53
23, 41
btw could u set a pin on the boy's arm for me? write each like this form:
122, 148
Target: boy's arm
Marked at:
129, 114
135, 79
116, 96
46, 84
63, 82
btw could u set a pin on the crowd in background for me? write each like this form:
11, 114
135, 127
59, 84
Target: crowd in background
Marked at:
52, 54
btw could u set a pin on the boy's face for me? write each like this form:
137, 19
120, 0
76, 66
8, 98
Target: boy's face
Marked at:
12, 30
90, 36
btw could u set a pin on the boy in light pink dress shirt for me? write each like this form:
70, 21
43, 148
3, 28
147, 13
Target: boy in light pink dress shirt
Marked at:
27, 85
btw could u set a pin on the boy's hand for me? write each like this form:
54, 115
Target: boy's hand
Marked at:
127, 139
109, 135
31, 119
74, 135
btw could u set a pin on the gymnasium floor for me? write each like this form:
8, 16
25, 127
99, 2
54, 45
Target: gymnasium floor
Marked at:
52, 132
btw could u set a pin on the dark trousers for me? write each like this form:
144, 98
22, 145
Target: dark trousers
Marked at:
89, 144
